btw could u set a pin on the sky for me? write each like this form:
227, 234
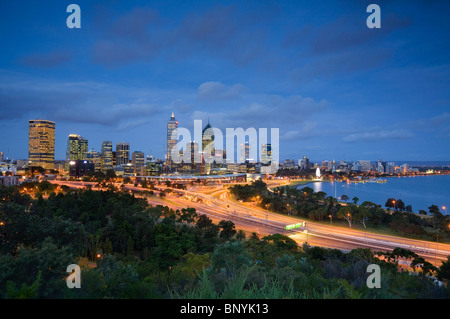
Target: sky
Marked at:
336, 89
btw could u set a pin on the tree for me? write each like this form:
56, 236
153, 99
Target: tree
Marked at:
204, 222
110, 174
363, 215
345, 198
390, 203
345, 213
355, 200
230, 256
443, 273
400, 204
282, 242
240, 235
433, 209
187, 215
228, 229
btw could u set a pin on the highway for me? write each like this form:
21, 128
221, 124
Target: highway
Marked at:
214, 201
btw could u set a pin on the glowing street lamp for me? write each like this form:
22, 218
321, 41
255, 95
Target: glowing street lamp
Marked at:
445, 208
394, 204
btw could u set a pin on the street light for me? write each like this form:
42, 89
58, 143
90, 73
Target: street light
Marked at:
394, 204
445, 208
331, 218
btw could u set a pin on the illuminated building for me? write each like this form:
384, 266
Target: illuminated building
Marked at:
245, 152
172, 126
137, 159
95, 158
77, 147
122, 153
208, 146
41, 144
106, 155
266, 154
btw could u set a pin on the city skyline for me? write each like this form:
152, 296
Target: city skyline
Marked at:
354, 94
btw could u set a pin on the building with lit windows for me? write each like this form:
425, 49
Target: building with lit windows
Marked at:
122, 153
138, 160
106, 155
172, 126
77, 147
41, 143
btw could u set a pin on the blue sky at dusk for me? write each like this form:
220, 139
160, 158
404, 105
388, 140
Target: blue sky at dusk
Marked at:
335, 88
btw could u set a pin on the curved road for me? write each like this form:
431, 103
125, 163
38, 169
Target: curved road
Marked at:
215, 203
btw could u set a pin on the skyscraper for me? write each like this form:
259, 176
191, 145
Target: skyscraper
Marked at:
122, 153
137, 159
245, 152
41, 143
94, 157
172, 126
106, 155
208, 147
266, 154
77, 147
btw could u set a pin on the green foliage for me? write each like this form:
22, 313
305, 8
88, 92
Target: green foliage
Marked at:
128, 249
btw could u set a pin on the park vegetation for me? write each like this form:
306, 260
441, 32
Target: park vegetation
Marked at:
129, 249
319, 207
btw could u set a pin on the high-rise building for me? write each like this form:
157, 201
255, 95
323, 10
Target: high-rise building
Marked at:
245, 152
1, 157
137, 159
266, 154
172, 126
41, 143
106, 155
365, 166
77, 147
303, 163
95, 158
208, 146
122, 153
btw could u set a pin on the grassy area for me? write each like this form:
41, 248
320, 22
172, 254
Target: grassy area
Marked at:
293, 183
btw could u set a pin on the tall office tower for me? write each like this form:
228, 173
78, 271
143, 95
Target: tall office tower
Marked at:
194, 150
172, 126
245, 152
41, 143
303, 163
266, 154
122, 153
137, 159
106, 154
1, 157
95, 158
77, 147
208, 146
365, 166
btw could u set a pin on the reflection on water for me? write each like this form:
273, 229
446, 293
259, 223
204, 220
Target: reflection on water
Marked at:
420, 191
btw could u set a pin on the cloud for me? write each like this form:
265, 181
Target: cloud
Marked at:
216, 91
77, 102
132, 37
378, 135
289, 113
47, 60
217, 32
348, 32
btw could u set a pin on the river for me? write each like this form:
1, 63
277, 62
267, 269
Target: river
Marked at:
418, 191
